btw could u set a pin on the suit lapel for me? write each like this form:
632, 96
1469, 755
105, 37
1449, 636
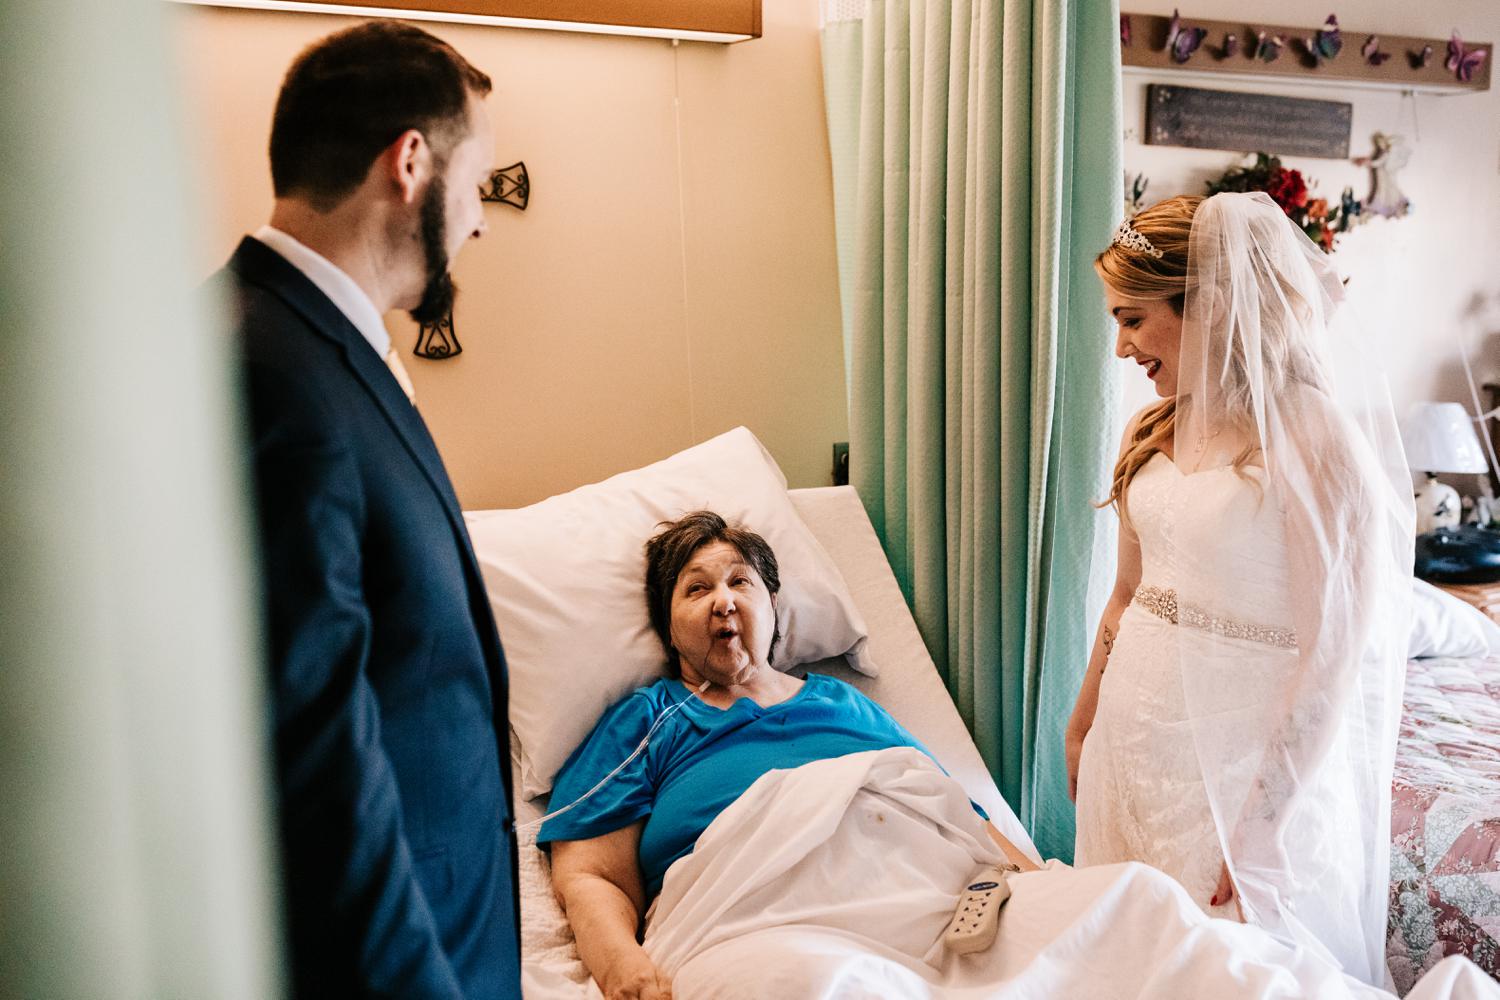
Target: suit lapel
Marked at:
259, 264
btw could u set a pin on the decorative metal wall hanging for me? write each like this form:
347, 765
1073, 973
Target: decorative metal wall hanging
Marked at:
511, 186
436, 340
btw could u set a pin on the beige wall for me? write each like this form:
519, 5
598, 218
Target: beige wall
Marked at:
1423, 282
673, 277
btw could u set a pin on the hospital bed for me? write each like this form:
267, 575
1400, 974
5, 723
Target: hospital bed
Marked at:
1093, 930
908, 686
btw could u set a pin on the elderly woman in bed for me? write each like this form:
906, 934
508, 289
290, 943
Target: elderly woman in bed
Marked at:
711, 589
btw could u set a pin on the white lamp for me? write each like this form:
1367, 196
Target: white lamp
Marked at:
1439, 437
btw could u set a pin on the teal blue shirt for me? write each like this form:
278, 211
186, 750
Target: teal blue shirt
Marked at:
702, 759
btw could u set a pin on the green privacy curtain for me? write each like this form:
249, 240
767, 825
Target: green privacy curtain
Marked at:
977, 167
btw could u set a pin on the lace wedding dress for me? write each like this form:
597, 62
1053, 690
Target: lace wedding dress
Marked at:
1141, 792
1248, 711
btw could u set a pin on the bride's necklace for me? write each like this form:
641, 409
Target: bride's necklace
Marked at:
1202, 444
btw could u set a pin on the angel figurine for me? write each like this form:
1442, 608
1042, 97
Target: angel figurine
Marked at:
1392, 153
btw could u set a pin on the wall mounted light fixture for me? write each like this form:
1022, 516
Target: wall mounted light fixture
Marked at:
720, 21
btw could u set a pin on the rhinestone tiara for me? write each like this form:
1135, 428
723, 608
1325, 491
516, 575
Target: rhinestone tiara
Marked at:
1127, 237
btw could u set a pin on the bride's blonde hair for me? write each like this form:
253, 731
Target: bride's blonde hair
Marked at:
1138, 275
1283, 352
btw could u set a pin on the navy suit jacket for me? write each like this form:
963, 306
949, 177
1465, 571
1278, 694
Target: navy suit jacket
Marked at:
387, 676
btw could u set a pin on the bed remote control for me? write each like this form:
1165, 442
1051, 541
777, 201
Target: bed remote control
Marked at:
977, 917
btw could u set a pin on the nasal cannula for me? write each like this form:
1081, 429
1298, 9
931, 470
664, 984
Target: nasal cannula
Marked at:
640, 749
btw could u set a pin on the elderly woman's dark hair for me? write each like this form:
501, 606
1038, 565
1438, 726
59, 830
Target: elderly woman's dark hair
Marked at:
669, 551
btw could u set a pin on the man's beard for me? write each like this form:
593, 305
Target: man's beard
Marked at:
439, 293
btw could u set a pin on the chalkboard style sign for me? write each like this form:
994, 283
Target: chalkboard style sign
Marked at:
1221, 119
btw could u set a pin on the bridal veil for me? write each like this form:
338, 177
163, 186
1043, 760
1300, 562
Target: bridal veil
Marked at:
1276, 383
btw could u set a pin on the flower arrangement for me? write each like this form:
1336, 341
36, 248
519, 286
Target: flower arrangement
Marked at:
1321, 221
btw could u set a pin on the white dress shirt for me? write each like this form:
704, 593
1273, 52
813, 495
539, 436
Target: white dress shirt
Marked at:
334, 283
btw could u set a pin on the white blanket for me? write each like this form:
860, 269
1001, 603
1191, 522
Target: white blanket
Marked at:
837, 879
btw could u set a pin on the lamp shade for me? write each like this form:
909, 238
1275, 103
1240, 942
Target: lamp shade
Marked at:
1439, 437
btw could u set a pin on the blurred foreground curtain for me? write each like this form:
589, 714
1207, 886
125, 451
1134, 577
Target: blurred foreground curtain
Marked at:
135, 858
977, 165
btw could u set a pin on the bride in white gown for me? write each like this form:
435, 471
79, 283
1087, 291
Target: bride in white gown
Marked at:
1236, 727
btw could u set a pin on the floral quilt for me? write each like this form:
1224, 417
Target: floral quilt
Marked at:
1445, 820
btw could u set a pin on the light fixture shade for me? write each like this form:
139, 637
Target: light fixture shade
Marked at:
684, 20
1439, 437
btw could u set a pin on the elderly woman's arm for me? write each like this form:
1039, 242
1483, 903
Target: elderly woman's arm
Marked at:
1012, 853
598, 883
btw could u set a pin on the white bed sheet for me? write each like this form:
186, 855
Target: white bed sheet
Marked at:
836, 880
908, 687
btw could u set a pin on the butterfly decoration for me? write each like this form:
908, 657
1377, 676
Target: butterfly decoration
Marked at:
1420, 60
1183, 42
1231, 45
1371, 51
1326, 44
1268, 46
1463, 61
1124, 30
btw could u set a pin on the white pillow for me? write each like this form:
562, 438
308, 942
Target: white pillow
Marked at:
566, 580
1443, 625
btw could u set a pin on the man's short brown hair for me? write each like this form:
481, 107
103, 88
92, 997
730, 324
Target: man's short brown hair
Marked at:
348, 97
671, 549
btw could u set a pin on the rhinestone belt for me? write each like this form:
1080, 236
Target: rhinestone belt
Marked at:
1162, 603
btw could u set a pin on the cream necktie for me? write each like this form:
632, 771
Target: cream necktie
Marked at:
393, 362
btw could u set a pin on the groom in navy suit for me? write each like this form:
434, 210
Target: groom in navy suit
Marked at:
387, 676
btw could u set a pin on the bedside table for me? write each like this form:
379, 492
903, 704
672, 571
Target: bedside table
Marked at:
1484, 596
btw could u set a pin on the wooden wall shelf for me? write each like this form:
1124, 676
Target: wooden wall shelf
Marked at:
686, 20
1147, 51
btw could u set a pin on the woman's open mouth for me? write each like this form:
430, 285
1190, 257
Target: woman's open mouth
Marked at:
1152, 367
